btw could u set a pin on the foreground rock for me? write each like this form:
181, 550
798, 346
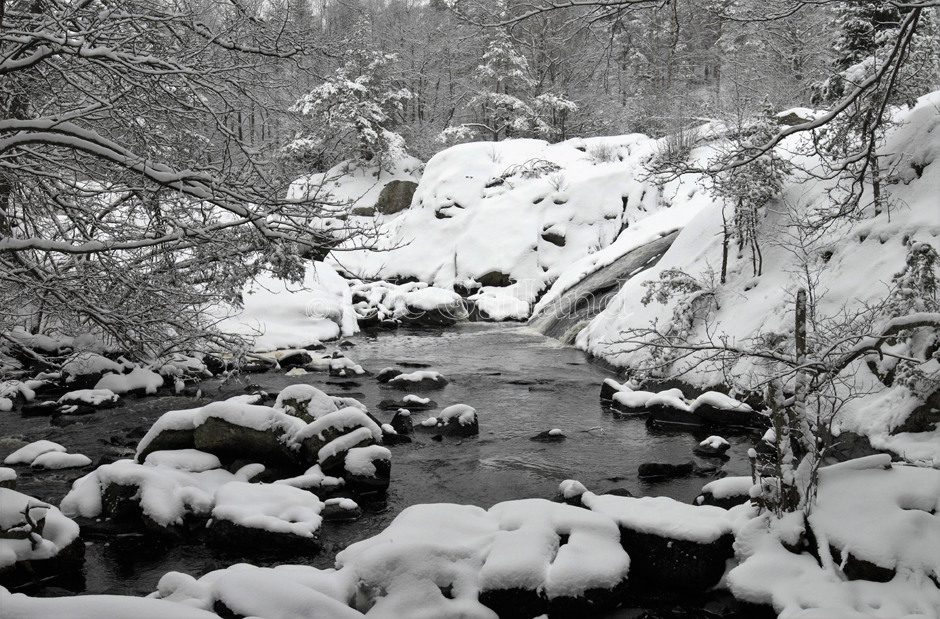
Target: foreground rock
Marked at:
671, 545
36, 540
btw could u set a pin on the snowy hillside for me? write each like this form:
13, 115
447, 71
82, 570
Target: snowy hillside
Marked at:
512, 216
848, 269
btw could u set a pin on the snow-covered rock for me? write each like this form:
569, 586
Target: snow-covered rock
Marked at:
263, 516
26, 455
35, 532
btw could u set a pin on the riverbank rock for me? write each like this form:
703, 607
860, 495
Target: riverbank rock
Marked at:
609, 387
422, 380
671, 544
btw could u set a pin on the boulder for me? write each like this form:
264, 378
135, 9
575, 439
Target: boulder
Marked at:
168, 439
367, 469
608, 388
663, 470
387, 374
459, 420
402, 422
340, 510
662, 556
230, 441
712, 447
495, 278
395, 197
422, 380
549, 436
410, 402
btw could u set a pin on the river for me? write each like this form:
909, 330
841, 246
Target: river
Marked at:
521, 383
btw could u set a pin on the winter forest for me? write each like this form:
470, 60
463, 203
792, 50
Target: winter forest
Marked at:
470, 309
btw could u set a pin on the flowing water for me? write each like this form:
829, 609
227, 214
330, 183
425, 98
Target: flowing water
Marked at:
521, 383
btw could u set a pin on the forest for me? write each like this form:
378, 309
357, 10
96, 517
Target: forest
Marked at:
668, 268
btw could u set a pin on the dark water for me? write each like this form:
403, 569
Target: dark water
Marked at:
521, 383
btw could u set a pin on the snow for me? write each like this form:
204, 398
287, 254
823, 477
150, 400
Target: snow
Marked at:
360, 460
6, 405
27, 454
313, 401
57, 533
191, 460
277, 314
138, 378
278, 508
571, 488
7, 474
313, 479
727, 487
59, 460
342, 503
282, 592
633, 399
340, 420
414, 377
662, 516
20, 606
853, 264
345, 443
464, 414
166, 494
554, 432
92, 397
458, 229
718, 400
411, 398
715, 442
84, 363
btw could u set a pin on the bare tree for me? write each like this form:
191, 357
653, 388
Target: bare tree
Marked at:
136, 194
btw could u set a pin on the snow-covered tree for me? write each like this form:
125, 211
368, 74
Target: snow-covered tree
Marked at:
133, 197
748, 188
355, 111
503, 103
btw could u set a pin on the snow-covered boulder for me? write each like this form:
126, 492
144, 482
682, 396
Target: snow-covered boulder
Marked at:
138, 381
265, 516
726, 492
162, 498
36, 540
519, 558
28, 453
367, 469
94, 398
305, 402
413, 303
82, 370
7, 478
422, 380
671, 544
713, 446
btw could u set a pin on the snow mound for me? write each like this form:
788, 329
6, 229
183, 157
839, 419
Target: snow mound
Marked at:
304, 399
138, 378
